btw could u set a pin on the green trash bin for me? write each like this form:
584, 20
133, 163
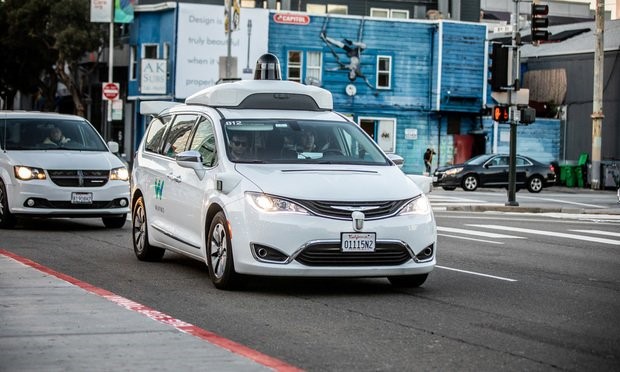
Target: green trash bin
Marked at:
567, 175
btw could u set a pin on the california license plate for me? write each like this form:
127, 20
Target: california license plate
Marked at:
357, 242
81, 198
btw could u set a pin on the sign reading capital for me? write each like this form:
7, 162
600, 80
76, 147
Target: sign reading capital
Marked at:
291, 18
110, 91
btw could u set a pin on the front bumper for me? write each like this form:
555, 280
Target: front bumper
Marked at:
45, 199
298, 239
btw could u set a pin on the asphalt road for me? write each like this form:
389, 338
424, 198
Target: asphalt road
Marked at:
511, 292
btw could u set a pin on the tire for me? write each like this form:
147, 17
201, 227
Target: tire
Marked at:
140, 235
470, 182
408, 281
220, 255
535, 184
449, 188
7, 220
114, 222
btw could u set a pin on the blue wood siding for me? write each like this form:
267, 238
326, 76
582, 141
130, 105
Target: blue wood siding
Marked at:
462, 71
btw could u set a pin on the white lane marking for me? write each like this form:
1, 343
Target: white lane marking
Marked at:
598, 232
562, 201
466, 238
550, 233
477, 233
475, 273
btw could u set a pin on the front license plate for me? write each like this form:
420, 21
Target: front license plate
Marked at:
81, 198
357, 242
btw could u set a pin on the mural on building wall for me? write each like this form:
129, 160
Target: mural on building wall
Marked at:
353, 50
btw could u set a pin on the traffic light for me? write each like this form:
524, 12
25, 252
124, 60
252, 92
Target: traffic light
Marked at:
499, 67
501, 114
540, 22
528, 115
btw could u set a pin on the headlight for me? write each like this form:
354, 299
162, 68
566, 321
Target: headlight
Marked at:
419, 205
28, 173
120, 174
454, 171
272, 204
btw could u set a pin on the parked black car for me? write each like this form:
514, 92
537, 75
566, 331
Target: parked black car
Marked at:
491, 170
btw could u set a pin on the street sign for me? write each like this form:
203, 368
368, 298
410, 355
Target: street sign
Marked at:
110, 91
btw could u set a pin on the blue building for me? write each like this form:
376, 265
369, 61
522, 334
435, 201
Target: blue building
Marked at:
410, 84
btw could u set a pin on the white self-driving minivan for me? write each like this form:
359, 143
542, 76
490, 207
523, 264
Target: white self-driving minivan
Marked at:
262, 177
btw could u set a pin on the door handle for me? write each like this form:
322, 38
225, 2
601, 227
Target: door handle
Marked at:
173, 177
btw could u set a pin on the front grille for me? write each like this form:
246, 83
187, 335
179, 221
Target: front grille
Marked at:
79, 178
329, 254
342, 210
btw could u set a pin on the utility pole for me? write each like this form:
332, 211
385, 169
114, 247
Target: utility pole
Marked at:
597, 97
230, 26
514, 112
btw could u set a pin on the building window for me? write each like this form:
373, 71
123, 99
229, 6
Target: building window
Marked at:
150, 51
399, 14
389, 13
379, 13
384, 72
133, 63
327, 8
166, 51
313, 68
294, 60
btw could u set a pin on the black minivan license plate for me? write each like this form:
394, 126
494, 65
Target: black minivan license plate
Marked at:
357, 242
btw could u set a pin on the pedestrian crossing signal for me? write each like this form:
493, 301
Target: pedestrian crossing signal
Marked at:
500, 114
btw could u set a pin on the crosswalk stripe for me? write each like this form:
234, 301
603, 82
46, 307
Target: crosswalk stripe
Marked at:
598, 232
477, 233
549, 233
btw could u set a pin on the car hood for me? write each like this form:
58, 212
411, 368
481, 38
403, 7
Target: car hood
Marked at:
58, 159
446, 167
331, 182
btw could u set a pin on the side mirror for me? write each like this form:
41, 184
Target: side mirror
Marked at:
398, 160
113, 146
189, 159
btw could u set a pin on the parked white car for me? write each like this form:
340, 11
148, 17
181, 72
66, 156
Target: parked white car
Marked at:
55, 165
264, 178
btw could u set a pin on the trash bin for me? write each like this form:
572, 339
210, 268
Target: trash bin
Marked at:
567, 175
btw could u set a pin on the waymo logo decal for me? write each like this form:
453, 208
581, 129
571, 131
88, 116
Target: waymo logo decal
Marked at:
159, 189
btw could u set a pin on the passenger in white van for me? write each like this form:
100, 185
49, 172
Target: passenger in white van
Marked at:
55, 138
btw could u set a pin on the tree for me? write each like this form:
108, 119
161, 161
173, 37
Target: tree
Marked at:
42, 43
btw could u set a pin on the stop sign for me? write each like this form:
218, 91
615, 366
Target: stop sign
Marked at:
110, 91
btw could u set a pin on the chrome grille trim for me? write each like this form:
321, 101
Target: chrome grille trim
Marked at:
340, 210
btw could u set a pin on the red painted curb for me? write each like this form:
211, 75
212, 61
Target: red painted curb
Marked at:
180, 325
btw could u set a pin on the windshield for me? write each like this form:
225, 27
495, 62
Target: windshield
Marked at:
477, 160
300, 141
49, 134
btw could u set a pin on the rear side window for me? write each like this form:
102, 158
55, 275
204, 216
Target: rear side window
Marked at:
179, 134
155, 133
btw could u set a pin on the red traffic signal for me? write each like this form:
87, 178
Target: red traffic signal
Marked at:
501, 114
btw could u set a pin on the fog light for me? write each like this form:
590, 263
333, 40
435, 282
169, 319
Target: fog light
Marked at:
123, 202
30, 202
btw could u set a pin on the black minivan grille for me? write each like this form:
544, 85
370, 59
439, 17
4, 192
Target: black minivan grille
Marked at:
79, 178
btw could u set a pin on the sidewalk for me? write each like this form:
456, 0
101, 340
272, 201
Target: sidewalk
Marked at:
52, 322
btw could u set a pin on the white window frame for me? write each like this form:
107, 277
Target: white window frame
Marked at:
396, 11
385, 13
381, 72
294, 65
313, 71
145, 46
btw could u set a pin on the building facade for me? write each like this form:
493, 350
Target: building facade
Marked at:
410, 84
